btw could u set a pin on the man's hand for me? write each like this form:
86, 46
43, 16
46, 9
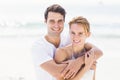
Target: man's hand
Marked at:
89, 59
93, 67
72, 68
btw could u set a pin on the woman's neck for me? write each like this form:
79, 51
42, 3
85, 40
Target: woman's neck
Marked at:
78, 51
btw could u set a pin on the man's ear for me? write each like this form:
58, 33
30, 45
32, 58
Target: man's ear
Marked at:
45, 21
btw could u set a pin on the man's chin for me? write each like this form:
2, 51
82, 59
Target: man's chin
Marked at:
57, 32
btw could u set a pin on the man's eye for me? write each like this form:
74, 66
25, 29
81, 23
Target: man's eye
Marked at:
52, 22
72, 33
60, 22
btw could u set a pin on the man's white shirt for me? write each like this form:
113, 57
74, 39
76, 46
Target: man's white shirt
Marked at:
43, 51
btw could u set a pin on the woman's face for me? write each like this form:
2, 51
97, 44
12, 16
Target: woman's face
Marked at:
78, 34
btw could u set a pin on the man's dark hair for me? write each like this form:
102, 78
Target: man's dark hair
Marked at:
55, 8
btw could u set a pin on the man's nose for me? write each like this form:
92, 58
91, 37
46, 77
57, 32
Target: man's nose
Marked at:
76, 36
56, 24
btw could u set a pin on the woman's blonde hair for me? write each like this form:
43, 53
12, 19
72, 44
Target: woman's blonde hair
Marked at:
82, 21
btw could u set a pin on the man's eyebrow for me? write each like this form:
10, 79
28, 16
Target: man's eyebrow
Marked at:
60, 20
51, 20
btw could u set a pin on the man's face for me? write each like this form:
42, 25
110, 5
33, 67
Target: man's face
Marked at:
55, 23
78, 34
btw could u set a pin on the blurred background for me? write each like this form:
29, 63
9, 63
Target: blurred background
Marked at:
22, 23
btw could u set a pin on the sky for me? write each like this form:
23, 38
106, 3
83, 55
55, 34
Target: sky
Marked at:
97, 11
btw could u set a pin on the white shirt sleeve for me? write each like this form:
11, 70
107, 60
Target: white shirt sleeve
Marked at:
40, 54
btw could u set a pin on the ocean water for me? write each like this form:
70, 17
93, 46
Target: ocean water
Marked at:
16, 42
34, 29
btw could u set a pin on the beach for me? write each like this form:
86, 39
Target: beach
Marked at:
22, 23
16, 60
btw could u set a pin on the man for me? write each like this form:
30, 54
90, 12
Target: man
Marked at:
44, 49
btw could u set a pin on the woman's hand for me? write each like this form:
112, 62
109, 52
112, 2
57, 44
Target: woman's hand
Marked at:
72, 68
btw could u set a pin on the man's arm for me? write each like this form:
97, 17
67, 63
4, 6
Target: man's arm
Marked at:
81, 73
89, 60
42, 59
56, 69
93, 49
90, 49
53, 68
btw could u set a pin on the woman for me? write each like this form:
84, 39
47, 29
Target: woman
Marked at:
79, 31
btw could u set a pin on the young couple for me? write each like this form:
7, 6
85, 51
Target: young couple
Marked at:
59, 57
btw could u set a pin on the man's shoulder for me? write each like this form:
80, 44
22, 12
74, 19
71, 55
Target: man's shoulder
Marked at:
39, 41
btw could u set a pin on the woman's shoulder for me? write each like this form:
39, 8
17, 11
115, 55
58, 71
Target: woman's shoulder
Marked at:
65, 49
61, 50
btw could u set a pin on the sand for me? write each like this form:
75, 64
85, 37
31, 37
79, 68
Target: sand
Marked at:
16, 60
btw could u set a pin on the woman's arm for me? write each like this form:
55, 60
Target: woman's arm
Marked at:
60, 55
88, 63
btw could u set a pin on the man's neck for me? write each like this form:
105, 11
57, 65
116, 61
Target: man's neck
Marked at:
55, 40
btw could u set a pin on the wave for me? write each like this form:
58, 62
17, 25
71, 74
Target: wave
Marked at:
37, 29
